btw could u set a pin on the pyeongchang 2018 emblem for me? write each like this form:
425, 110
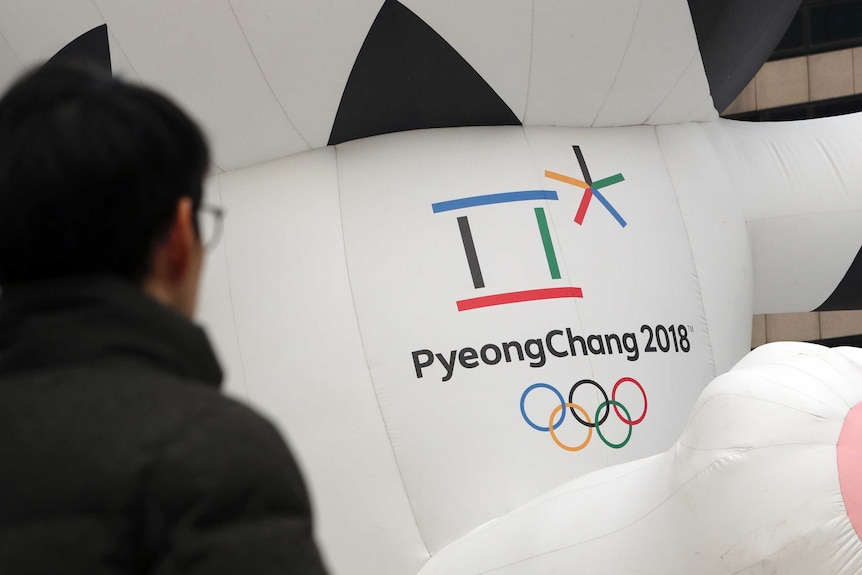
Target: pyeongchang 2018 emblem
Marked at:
558, 414
590, 189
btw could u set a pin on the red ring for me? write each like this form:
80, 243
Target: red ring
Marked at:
614, 397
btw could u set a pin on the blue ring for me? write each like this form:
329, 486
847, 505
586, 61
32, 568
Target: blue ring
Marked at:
524, 412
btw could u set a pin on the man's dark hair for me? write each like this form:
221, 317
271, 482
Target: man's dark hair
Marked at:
91, 170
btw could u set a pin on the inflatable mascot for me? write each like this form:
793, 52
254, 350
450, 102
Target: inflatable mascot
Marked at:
481, 259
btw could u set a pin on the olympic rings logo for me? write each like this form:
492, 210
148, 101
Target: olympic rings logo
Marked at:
581, 416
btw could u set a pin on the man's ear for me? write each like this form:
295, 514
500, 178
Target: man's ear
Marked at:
173, 257
177, 249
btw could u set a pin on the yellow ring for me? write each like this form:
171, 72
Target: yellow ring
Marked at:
554, 434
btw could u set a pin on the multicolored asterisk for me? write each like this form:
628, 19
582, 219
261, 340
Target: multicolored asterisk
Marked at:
590, 188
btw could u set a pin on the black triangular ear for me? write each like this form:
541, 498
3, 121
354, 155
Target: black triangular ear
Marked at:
407, 77
90, 47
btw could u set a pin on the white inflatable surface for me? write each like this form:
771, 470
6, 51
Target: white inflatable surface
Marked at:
412, 308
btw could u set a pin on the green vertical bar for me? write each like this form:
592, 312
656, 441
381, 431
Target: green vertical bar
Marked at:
549, 245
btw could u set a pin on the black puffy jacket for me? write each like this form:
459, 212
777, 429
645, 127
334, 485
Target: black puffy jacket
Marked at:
118, 454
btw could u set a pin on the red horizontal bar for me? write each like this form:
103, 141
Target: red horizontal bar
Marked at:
519, 296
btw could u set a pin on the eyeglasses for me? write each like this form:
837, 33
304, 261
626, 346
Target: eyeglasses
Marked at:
210, 224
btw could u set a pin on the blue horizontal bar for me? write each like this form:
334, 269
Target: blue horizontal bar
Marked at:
494, 199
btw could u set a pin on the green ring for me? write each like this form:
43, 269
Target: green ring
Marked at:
599, 430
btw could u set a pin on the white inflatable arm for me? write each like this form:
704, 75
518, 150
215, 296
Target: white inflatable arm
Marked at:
799, 188
765, 479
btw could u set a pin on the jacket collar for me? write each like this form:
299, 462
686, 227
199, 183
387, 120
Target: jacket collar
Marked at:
54, 324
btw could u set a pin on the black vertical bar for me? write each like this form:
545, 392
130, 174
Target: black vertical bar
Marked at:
470, 250
583, 164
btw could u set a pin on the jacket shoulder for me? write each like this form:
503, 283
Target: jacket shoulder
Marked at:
224, 449
226, 495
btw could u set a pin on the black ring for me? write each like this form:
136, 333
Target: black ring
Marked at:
604, 394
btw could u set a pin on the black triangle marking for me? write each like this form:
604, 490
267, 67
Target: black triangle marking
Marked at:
848, 294
407, 77
735, 38
90, 47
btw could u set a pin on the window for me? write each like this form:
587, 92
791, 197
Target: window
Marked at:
820, 26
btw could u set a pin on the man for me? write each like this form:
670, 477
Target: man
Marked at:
117, 452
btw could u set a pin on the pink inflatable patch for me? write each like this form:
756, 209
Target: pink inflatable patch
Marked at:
850, 466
